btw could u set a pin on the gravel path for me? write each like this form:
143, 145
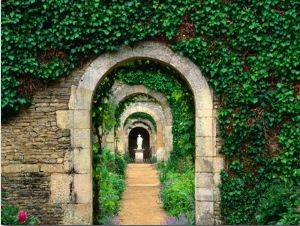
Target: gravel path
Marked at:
140, 202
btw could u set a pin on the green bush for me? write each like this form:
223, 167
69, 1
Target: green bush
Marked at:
120, 165
279, 205
109, 184
126, 157
178, 187
153, 159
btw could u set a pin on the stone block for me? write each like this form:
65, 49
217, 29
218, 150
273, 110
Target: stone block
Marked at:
83, 214
204, 127
195, 78
204, 164
16, 168
204, 194
161, 154
83, 188
203, 99
80, 98
82, 160
117, 58
139, 155
204, 113
204, 213
217, 179
45, 109
64, 119
77, 214
60, 188
183, 65
153, 51
82, 119
52, 168
81, 138
110, 138
217, 195
91, 77
204, 180
204, 147
218, 164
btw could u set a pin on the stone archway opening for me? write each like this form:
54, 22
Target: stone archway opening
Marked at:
207, 163
132, 143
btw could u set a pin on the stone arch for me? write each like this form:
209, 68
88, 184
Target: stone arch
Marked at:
160, 133
133, 123
126, 90
207, 165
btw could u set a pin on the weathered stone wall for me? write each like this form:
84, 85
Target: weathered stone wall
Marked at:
33, 149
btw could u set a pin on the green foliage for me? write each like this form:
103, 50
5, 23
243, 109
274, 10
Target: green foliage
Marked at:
109, 183
178, 187
249, 52
279, 205
103, 106
126, 157
120, 165
10, 216
11, 102
153, 159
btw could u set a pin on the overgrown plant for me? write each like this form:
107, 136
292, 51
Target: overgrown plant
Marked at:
279, 205
249, 52
177, 179
109, 184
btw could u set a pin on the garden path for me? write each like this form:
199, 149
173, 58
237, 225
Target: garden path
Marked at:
140, 202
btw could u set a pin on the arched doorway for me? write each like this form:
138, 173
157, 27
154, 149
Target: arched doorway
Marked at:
208, 163
132, 143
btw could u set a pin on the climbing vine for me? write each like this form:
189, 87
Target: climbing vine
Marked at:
249, 51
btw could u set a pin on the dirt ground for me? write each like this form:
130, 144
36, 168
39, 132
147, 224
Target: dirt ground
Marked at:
140, 202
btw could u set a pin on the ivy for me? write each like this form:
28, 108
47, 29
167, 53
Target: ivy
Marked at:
248, 51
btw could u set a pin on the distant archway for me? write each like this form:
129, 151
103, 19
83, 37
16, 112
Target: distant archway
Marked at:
132, 140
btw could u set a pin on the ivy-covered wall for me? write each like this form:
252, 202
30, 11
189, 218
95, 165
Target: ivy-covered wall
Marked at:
249, 52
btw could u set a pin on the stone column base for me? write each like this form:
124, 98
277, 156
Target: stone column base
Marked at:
139, 155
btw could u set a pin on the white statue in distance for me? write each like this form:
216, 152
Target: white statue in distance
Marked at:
139, 142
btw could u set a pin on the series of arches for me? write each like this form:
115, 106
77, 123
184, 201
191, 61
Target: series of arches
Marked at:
206, 172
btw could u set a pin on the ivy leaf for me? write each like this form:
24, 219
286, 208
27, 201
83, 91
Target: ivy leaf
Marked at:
254, 100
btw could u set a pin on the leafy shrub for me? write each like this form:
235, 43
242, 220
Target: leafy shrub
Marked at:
13, 216
178, 187
109, 184
126, 157
153, 159
120, 165
279, 205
